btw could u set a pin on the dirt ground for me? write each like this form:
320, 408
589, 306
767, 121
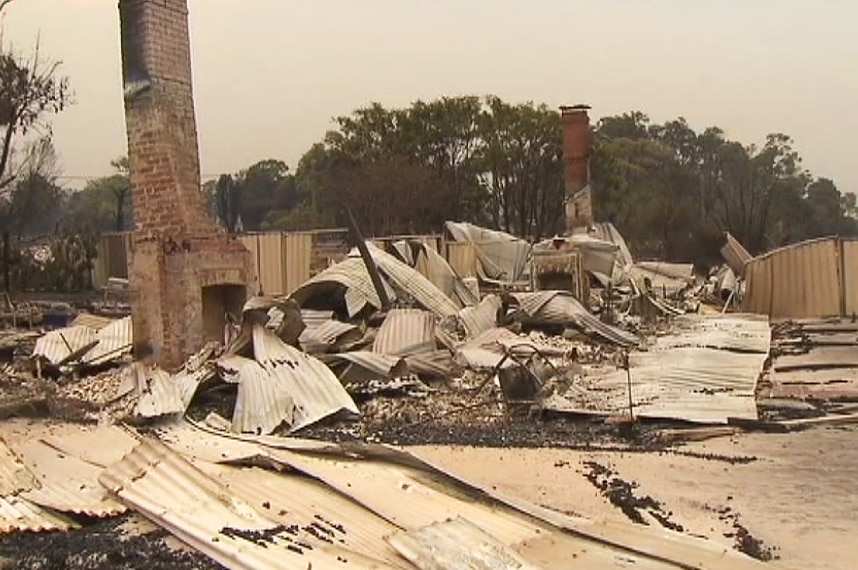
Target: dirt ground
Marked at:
122, 543
786, 497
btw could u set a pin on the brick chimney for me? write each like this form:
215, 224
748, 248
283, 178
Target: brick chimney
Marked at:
184, 272
577, 141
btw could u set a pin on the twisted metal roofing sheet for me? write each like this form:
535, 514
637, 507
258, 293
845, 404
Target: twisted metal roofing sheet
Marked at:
482, 317
561, 308
315, 390
405, 331
433, 265
365, 365
502, 256
735, 254
263, 401
322, 336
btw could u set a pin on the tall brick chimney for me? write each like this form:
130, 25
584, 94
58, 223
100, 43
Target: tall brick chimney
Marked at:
185, 273
577, 141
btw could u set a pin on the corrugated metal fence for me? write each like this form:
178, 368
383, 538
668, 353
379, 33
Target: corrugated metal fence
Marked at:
817, 278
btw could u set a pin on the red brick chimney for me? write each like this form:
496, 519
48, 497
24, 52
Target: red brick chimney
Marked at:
577, 142
185, 274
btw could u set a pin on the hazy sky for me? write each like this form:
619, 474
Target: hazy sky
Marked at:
270, 74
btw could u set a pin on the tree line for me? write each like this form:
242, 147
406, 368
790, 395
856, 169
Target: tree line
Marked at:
672, 191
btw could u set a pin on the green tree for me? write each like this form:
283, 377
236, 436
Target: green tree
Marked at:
104, 204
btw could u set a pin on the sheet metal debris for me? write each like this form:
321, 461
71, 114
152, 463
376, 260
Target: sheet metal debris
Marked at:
279, 373
457, 545
678, 379
350, 280
61, 345
562, 309
502, 258
404, 332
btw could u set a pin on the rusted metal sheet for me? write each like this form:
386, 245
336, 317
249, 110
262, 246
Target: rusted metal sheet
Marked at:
321, 337
798, 281
405, 331
158, 393
435, 268
363, 365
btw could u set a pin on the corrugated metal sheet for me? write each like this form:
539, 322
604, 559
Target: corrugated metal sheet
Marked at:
487, 350
435, 268
298, 258
158, 393
322, 336
95, 322
314, 389
735, 254
180, 498
114, 341
561, 308
607, 232
734, 331
679, 379
457, 545
850, 276
65, 482
411, 494
350, 274
663, 277
437, 364
405, 331
802, 280
263, 401
462, 257
14, 475
20, 515
364, 365
296, 501
481, 318
57, 346
501, 257
417, 286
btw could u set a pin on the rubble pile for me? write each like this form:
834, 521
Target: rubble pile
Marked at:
650, 355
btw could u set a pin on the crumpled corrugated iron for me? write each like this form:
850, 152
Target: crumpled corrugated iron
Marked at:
562, 309
313, 388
